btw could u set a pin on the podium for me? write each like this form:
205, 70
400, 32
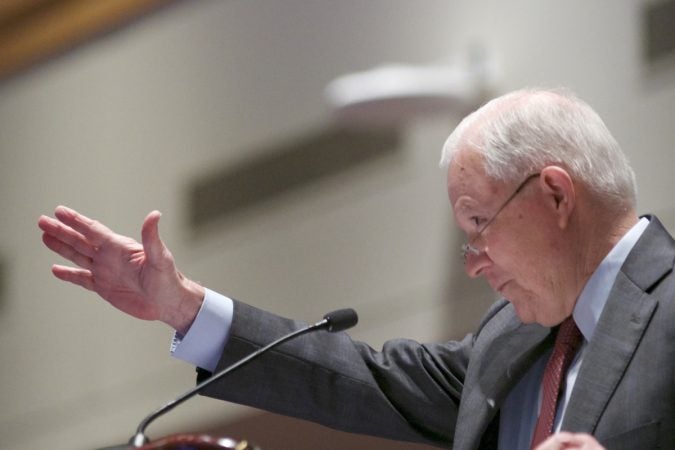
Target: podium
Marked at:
197, 442
190, 442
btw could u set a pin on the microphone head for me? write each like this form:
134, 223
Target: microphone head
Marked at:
341, 319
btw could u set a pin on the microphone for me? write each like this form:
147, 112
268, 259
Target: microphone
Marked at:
335, 321
339, 320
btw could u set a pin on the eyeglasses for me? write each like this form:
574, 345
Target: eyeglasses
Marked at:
468, 248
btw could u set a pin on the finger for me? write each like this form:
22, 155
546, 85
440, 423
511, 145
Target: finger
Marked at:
57, 230
62, 239
577, 441
65, 250
556, 441
95, 232
154, 248
584, 441
80, 277
564, 437
67, 235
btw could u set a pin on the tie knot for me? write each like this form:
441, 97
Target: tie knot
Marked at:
569, 335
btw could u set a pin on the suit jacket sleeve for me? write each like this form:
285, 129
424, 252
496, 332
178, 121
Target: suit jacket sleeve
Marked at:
407, 391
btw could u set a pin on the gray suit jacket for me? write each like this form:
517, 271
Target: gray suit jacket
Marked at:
449, 394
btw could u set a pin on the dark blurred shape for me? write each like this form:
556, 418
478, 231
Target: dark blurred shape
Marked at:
659, 30
285, 167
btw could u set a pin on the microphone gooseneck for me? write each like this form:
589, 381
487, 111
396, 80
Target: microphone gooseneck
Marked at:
335, 321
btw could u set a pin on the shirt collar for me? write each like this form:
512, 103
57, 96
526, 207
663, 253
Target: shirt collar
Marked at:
593, 297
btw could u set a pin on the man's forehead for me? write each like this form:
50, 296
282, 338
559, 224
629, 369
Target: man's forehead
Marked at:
470, 189
465, 172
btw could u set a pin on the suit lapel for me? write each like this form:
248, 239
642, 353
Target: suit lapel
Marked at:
503, 370
616, 337
507, 350
620, 328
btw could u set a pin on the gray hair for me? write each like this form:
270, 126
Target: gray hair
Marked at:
523, 131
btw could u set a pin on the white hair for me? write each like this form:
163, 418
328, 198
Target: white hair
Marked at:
522, 132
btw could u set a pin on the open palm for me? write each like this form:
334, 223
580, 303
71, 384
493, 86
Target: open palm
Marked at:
139, 279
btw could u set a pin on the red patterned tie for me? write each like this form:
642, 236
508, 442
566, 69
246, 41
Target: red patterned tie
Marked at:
567, 342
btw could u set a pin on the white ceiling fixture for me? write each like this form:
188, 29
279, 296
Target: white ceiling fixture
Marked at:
396, 93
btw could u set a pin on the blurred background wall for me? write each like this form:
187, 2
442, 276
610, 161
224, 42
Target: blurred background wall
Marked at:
136, 118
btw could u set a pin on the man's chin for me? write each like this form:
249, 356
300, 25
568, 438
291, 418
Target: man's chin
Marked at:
528, 317
524, 314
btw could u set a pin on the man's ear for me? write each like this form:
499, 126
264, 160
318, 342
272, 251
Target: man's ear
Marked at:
558, 187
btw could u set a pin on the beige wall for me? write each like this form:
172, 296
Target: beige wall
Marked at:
123, 125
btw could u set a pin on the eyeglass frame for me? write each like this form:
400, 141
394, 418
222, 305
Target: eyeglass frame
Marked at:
467, 247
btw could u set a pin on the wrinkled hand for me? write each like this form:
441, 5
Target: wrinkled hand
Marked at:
139, 279
566, 440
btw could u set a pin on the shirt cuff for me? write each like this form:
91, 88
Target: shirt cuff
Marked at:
204, 342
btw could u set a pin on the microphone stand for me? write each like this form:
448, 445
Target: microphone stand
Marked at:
336, 321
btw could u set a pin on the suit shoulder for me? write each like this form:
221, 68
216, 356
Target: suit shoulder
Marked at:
499, 311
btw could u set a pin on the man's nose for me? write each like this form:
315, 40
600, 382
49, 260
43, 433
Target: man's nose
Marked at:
475, 264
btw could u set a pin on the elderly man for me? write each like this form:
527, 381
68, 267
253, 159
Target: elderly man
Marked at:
582, 340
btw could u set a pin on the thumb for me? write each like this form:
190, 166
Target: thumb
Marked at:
155, 250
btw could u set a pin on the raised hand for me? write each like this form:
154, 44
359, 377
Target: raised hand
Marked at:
139, 279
